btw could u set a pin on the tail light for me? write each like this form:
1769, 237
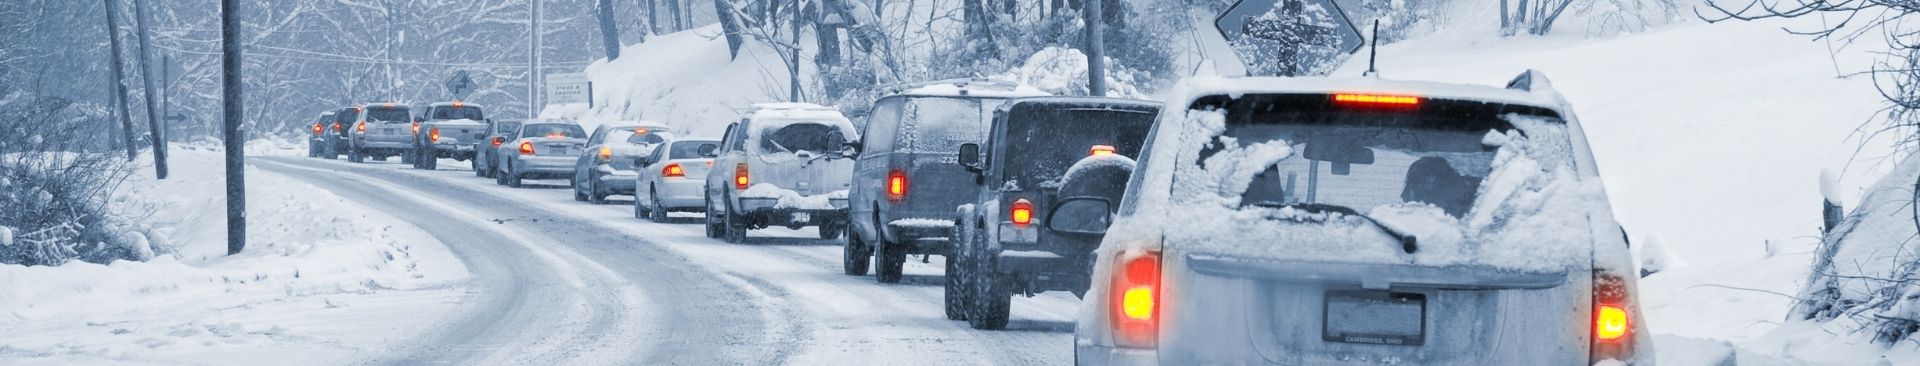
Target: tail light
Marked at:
416, 128
317, 129
497, 141
1101, 150
360, 127
1135, 299
1376, 101
433, 135
896, 185
740, 176
1612, 322
673, 170
606, 154
336, 127
1022, 213
526, 148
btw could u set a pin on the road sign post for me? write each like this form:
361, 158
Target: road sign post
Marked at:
1288, 37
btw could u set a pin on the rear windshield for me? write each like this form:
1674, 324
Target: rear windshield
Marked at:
630, 136
507, 127
464, 112
1042, 142
388, 114
689, 149
347, 116
814, 137
552, 130
940, 125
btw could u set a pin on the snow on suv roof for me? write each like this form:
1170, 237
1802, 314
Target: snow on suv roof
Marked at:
991, 88
1537, 92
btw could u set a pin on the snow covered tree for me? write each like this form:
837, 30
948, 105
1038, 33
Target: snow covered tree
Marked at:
1534, 17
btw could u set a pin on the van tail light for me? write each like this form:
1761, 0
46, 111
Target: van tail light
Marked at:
1101, 150
606, 154
526, 148
497, 141
1135, 299
896, 185
740, 176
1612, 318
1022, 213
433, 135
673, 170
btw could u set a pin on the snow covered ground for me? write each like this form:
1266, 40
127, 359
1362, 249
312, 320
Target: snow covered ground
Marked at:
322, 281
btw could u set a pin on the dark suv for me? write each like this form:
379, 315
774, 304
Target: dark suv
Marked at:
336, 132
1051, 169
906, 181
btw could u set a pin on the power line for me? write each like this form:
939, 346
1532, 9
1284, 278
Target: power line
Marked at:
363, 60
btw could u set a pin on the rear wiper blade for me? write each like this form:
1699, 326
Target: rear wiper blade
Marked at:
1408, 242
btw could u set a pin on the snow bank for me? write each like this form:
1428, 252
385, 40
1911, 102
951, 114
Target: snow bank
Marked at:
788, 199
307, 250
686, 80
1063, 71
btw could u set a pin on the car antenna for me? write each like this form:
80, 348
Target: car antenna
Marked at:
1373, 50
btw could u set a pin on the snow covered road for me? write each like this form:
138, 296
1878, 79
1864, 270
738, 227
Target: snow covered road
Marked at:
558, 280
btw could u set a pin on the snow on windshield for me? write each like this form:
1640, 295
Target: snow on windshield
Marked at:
939, 125
1502, 193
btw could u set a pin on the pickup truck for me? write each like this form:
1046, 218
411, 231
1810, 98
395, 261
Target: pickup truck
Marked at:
447, 130
380, 131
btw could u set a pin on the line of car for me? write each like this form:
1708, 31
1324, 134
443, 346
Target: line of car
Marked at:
1258, 221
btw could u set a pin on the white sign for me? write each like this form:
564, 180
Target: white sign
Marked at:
566, 88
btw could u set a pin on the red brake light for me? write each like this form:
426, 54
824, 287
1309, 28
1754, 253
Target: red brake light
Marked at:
497, 140
336, 126
433, 135
1135, 299
1609, 323
360, 127
673, 170
896, 185
1612, 321
317, 129
740, 176
457, 104
640, 131
1376, 101
416, 128
1022, 212
526, 148
1102, 150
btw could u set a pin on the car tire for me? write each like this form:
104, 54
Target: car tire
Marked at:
578, 196
714, 230
427, 162
513, 177
893, 262
992, 298
594, 194
736, 231
499, 178
659, 210
475, 163
959, 291
641, 211
855, 256
354, 156
955, 291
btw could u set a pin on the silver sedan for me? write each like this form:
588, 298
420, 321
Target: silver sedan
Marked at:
541, 150
673, 177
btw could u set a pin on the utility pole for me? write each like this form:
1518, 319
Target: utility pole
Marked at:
119, 88
140, 18
793, 65
166, 90
231, 114
1096, 49
533, 59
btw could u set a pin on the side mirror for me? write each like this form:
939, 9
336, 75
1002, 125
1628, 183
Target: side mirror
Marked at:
1081, 215
850, 150
970, 157
709, 150
419, 119
642, 162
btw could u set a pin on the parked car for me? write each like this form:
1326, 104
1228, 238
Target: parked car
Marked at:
1328, 221
486, 151
542, 149
339, 131
607, 167
1042, 154
783, 164
446, 130
907, 183
318, 140
673, 178
381, 130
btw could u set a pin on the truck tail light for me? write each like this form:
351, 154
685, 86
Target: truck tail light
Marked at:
1612, 320
433, 135
606, 154
896, 185
526, 148
740, 176
673, 170
1022, 213
1134, 306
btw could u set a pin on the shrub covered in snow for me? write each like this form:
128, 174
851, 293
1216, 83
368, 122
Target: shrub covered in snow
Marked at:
56, 174
1866, 267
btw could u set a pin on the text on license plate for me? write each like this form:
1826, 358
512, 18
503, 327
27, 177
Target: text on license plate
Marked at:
1375, 317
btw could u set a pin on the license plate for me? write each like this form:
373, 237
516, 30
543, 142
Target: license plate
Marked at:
388, 131
802, 217
1375, 317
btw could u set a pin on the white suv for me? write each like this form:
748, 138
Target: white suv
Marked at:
1308, 221
783, 164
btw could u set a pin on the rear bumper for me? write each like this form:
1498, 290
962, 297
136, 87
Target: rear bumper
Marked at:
1084, 354
365, 143
921, 239
617, 182
557, 166
769, 217
682, 193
